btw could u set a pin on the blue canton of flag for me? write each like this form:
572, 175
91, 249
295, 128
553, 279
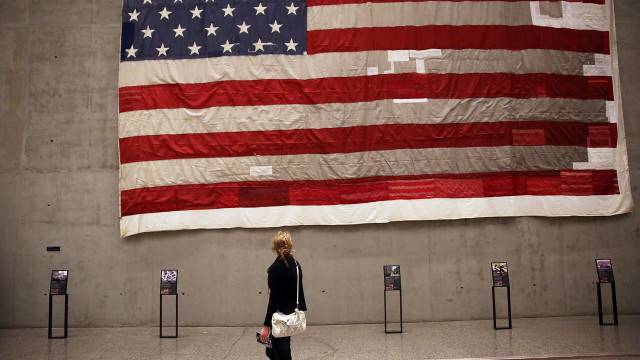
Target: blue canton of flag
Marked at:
182, 29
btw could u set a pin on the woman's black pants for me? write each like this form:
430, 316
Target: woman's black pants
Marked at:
280, 349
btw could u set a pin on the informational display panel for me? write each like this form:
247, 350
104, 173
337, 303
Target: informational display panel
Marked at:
59, 279
169, 282
605, 270
391, 277
500, 273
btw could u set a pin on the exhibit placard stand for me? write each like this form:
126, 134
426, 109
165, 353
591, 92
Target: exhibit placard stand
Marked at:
392, 283
58, 287
605, 276
168, 287
500, 276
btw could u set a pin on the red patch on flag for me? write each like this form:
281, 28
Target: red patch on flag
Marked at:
528, 136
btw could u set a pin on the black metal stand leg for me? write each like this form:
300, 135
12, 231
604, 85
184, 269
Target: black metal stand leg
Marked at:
161, 315
177, 315
600, 316
493, 301
50, 327
385, 315
66, 315
176, 335
615, 303
66, 318
509, 304
401, 310
385, 311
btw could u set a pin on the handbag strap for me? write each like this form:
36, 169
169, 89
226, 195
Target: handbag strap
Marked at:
297, 286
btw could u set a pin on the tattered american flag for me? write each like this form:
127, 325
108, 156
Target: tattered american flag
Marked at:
266, 113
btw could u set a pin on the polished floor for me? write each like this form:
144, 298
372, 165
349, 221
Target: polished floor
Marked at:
566, 337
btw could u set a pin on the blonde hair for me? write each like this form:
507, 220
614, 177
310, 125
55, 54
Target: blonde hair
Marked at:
282, 244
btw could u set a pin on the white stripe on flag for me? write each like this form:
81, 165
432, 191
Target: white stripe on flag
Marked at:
134, 73
287, 117
574, 15
350, 165
380, 212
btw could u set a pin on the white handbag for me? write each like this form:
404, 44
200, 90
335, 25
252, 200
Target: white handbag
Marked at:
288, 325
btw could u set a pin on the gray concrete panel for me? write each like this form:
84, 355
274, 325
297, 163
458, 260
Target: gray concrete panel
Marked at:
62, 12
14, 78
14, 13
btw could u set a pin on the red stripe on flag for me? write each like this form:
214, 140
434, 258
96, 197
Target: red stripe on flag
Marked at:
341, 2
365, 138
364, 88
457, 37
364, 190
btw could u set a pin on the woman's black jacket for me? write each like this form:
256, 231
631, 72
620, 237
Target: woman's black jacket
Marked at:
282, 288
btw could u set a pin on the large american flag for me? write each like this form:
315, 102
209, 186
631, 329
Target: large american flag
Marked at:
265, 113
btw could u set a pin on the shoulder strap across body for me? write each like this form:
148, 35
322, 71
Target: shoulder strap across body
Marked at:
297, 285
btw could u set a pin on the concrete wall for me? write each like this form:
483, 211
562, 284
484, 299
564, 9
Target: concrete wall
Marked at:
58, 181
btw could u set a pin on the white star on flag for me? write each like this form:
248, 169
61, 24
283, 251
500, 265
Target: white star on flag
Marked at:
260, 9
179, 31
175, 1
164, 14
292, 9
195, 49
228, 10
131, 52
148, 32
211, 30
275, 27
196, 13
291, 45
134, 15
226, 47
244, 28
146, 2
162, 50
260, 45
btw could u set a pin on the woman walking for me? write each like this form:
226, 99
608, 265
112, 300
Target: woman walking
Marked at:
282, 275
